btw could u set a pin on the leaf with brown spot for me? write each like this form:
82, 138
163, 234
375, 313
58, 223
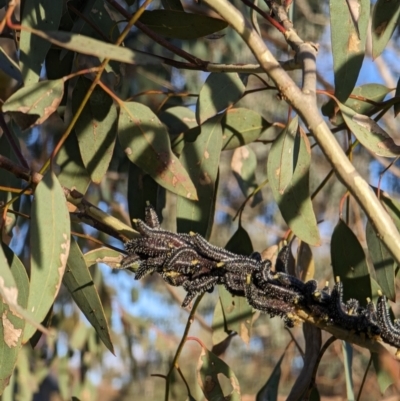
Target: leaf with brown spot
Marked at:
369, 133
146, 143
33, 104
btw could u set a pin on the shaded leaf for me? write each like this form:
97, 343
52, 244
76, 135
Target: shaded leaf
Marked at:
242, 126
269, 391
146, 143
396, 107
180, 25
349, 263
220, 331
14, 287
305, 262
43, 15
96, 128
348, 38
220, 91
201, 160
172, 5
73, 173
178, 119
244, 165
142, 189
237, 313
208, 368
9, 66
383, 263
33, 104
385, 18
382, 375
373, 92
369, 133
50, 242
80, 284
288, 173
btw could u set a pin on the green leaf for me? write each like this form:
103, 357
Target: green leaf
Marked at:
369, 133
383, 376
101, 255
9, 66
288, 174
97, 48
43, 15
383, 263
73, 173
96, 128
80, 284
373, 92
244, 165
201, 160
269, 391
220, 91
242, 126
348, 362
14, 286
141, 189
385, 18
348, 36
33, 104
349, 263
172, 5
208, 369
50, 242
180, 25
146, 143
237, 313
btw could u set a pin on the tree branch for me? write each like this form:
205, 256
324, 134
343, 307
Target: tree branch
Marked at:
305, 105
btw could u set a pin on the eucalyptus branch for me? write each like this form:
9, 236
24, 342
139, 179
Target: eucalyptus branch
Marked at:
305, 105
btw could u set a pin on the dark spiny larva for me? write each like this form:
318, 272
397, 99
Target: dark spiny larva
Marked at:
389, 332
150, 217
198, 286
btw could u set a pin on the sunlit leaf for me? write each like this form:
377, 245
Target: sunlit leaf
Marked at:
180, 25
96, 128
50, 242
201, 160
369, 133
79, 282
288, 173
42, 15
348, 363
242, 126
33, 104
243, 165
385, 18
383, 263
102, 255
14, 286
146, 143
348, 36
375, 93
208, 368
349, 263
220, 91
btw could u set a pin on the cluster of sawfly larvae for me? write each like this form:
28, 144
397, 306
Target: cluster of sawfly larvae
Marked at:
189, 261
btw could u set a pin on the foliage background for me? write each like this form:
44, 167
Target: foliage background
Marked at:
145, 320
